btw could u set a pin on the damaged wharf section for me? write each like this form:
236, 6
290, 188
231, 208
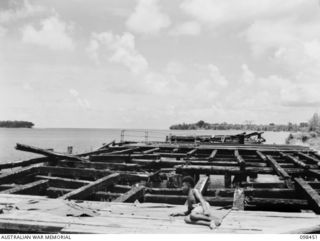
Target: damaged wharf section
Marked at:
132, 187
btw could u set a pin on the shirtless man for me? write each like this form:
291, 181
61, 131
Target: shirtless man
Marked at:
198, 209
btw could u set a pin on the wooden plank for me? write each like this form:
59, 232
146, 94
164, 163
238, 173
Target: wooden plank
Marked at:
132, 195
277, 168
22, 147
24, 163
164, 191
281, 193
93, 187
295, 160
202, 184
54, 192
105, 196
120, 188
213, 154
63, 182
227, 180
221, 170
151, 150
309, 158
192, 152
125, 151
34, 186
20, 226
100, 165
240, 160
85, 173
312, 196
14, 175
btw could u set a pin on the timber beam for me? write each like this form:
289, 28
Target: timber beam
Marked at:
279, 170
294, 160
27, 188
311, 194
135, 193
64, 182
93, 187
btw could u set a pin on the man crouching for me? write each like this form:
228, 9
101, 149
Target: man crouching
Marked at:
198, 209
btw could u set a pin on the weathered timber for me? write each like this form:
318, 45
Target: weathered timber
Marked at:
165, 191
276, 202
93, 187
279, 170
312, 196
192, 152
125, 151
27, 188
119, 188
281, 193
227, 180
107, 145
212, 155
151, 150
180, 199
54, 192
44, 152
309, 158
84, 173
226, 201
105, 196
221, 170
101, 165
64, 182
294, 160
24, 163
20, 226
202, 184
265, 185
135, 193
119, 158
240, 160
16, 174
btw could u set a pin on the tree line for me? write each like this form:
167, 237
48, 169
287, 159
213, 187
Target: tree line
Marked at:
312, 125
16, 124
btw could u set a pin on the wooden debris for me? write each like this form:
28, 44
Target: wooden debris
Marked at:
135, 193
30, 187
312, 196
44, 152
93, 187
64, 182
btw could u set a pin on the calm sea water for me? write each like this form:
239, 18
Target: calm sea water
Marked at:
84, 140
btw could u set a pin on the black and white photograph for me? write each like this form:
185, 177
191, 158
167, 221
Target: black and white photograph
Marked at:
159, 117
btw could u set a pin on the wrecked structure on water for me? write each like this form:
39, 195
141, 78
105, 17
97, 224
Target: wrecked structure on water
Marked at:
142, 180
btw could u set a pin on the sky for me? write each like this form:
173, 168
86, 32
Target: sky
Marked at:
154, 63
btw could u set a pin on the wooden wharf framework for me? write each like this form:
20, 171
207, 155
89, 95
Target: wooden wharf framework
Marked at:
152, 173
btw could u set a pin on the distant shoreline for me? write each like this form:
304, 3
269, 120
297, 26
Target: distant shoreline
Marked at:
16, 124
201, 125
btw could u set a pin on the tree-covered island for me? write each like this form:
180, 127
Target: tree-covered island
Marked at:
16, 124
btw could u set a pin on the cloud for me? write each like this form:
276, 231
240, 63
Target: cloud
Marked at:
219, 12
148, 18
82, 102
53, 33
187, 28
21, 10
216, 77
118, 49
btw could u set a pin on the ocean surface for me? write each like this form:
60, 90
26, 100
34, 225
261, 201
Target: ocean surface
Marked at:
84, 140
